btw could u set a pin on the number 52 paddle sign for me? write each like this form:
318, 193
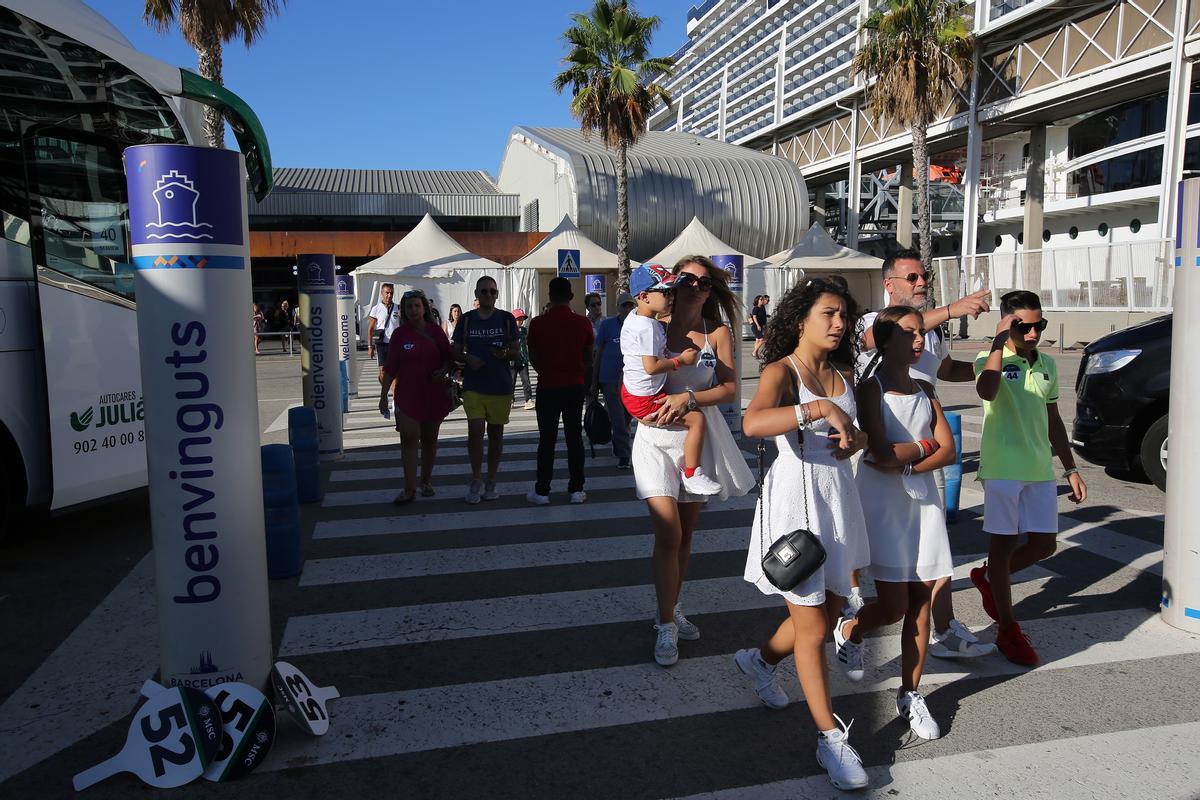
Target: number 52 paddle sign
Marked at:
172, 739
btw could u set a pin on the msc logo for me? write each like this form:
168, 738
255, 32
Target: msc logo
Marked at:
81, 422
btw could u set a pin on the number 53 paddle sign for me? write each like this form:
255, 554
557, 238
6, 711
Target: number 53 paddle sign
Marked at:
172, 739
303, 700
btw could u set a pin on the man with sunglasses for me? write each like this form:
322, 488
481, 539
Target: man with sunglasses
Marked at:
383, 318
1019, 388
907, 284
486, 341
594, 304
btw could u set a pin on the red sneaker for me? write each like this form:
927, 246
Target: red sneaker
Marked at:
979, 577
1016, 647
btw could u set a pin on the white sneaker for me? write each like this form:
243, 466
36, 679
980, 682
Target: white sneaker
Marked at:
839, 759
578, 497
489, 491
473, 492
854, 603
850, 654
957, 641
666, 646
528, 405
766, 686
537, 499
911, 706
686, 629
700, 483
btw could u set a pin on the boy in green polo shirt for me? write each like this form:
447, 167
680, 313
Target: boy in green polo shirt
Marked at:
1019, 388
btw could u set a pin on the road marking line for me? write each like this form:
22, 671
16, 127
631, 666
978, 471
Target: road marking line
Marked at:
486, 519
495, 711
341, 474
63, 701
281, 422
1145, 762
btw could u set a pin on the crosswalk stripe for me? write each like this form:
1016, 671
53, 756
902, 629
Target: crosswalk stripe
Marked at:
392, 566
455, 450
435, 622
340, 475
1143, 762
486, 519
505, 488
516, 708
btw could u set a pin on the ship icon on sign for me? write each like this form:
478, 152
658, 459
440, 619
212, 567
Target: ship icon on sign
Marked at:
176, 197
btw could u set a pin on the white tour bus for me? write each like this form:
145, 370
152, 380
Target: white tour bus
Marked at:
74, 94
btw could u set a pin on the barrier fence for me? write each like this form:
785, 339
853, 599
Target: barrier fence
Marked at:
1121, 276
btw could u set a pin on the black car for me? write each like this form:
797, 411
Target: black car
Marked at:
1122, 389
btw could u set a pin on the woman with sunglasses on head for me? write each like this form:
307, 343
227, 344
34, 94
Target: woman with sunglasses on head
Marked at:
702, 297
808, 406
419, 356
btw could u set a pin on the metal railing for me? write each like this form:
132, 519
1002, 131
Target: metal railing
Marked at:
1118, 276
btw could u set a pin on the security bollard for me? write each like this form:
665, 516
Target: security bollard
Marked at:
305, 441
953, 472
281, 511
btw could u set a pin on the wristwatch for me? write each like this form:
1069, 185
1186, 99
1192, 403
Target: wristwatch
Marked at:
692, 404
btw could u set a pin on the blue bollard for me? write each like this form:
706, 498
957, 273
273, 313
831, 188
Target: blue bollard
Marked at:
281, 512
953, 472
302, 433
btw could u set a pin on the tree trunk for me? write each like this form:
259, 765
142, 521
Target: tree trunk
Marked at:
209, 51
622, 218
921, 167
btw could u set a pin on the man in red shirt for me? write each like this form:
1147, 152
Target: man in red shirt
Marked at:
560, 349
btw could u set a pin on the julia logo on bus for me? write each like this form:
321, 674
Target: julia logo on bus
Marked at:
116, 408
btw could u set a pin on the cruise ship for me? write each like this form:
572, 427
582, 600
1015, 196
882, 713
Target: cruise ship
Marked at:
1055, 167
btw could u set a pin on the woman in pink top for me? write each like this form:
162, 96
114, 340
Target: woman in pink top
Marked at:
419, 356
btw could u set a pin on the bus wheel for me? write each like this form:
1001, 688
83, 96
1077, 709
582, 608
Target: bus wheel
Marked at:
8, 504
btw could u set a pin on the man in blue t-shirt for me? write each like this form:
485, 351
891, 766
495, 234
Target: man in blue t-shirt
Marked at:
606, 377
486, 341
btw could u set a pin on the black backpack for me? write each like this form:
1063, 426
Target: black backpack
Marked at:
597, 425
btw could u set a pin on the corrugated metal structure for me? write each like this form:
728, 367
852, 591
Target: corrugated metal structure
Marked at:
313, 192
754, 201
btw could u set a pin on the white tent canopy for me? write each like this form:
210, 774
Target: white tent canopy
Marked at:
430, 260
543, 259
818, 255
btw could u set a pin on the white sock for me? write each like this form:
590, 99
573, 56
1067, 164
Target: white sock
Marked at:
830, 733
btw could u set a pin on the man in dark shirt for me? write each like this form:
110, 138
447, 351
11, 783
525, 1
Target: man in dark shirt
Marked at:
560, 349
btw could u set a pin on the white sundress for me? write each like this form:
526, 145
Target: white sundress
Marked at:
658, 452
906, 522
834, 513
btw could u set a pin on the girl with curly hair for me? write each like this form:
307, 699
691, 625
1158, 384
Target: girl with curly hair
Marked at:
807, 405
702, 298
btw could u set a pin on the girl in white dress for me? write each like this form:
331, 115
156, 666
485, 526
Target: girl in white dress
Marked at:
906, 522
800, 393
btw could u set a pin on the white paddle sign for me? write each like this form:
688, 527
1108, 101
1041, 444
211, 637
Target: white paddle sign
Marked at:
172, 738
304, 701
248, 730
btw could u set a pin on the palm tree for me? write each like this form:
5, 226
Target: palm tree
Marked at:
207, 25
613, 82
918, 52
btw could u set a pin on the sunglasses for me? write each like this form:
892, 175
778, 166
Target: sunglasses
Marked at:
1025, 327
593, 305
487, 291
688, 279
911, 277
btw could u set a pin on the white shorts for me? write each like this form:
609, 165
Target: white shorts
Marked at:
1013, 507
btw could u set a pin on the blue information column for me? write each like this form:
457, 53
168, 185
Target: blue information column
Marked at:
733, 264
187, 221
319, 350
347, 344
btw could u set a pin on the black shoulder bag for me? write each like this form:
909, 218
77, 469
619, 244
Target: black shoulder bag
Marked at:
796, 555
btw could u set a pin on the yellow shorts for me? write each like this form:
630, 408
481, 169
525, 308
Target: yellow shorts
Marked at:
495, 408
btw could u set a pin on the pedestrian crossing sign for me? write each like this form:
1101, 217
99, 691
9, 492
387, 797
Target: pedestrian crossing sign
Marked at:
568, 264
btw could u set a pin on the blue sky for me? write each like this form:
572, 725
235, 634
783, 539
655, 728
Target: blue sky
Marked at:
398, 84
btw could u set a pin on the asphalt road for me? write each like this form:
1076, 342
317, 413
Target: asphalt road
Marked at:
502, 651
